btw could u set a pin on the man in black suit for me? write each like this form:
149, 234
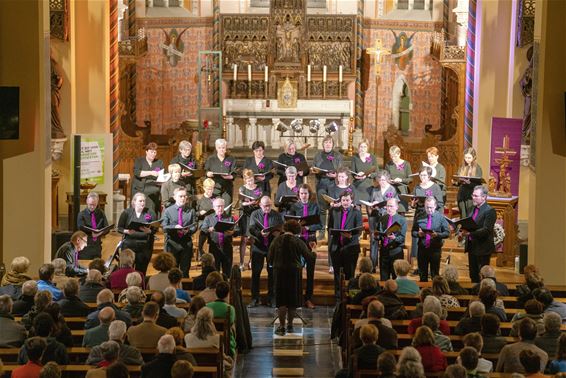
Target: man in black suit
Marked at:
93, 217
391, 247
260, 220
479, 243
180, 223
162, 363
344, 247
70, 253
430, 229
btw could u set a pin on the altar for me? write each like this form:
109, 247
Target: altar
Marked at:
248, 120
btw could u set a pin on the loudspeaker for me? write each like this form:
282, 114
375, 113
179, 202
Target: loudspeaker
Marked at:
523, 257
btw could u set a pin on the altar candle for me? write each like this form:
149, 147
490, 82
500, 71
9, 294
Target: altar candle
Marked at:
340, 73
324, 73
249, 72
266, 74
235, 72
309, 72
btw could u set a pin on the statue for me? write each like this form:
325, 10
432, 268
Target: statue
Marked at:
173, 47
56, 84
526, 88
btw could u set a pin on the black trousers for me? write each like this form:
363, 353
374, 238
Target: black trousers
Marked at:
258, 260
143, 249
310, 265
91, 251
475, 263
202, 238
386, 261
223, 257
344, 258
428, 257
182, 250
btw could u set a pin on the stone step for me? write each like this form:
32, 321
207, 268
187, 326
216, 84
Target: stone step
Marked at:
288, 372
288, 353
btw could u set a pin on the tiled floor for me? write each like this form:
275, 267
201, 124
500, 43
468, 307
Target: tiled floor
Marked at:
322, 356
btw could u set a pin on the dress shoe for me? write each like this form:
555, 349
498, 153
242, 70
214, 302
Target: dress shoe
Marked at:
309, 305
280, 331
290, 328
331, 270
254, 303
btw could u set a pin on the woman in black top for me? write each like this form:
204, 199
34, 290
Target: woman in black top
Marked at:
186, 158
400, 172
288, 188
363, 162
470, 168
250, 194
221, 168
291, 158
260, 166
146, 170
204, 205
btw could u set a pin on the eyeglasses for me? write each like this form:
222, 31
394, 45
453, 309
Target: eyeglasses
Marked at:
84, 240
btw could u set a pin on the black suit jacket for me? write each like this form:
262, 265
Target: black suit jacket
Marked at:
256, 226
145, 184
171, 219
353, 220
480, 242
394, 246
85, 219
159, 367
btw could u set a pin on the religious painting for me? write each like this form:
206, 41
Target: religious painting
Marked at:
504, 158
402, 49
173, 47
9, 113
287, 93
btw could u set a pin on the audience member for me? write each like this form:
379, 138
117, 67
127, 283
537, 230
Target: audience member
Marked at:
492, 339
386, 364
17, 274
394, 308
441, 290
450, 273
431, 304
13, 333
433, 359
533, 281
545, 297
43, 326
61, 330
147, 333
41, 300
366, 355
548, 341
163, 262
50, 370
110, 353
488, 296
160, 366
117, 370
432, 321
404, 284
129, 355
533, 310
364, 266
133, 279
46, 272
208, 266
99, 334
508, 361
410, 364
455, 371
196, 304
488, 271
91, 287
163, 319
475, 341
471, 323
106, 299
531, 363
558, 365
170, 296
59, 276
25, 302
418, 311
469, 358
72, 305
135, 298
34, 347
175, 277
182, 369
117, 279
203, 334
220, 308
368, 287
209, 294
181, 352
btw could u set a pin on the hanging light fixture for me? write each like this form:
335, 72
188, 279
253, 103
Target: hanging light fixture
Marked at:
281, 127
314, 126
297, 125
332, 127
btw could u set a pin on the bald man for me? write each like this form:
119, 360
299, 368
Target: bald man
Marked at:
99, 334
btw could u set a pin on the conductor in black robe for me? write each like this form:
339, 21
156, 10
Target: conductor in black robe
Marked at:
94, 218
146, 170
180, 223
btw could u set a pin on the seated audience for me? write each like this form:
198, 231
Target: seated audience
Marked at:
25, 302
128, 354
531, 363
59, 276
163, 319
163, 262
441, 290
488, 271
433, 359
170, 296
117, 370
50, 370
488, 296
492, 339
387, 335
72, 305
469, 358
91, 287
99, 334
133, 279
548, 340
394, 307
366, 355
203, 334
135, 298
432, 321
533, 310
431, 304
46, 272
418, 311
508, 361
487, 282
13, 333
386, 364
182, 369
41, 300
475, 341
220, 309
61, 331
364, 266
17, 274
368, 287
404, 284
35, 347
558, 365
175, 276
545, 297
471, 323
117, 279
208, 266
209, 294
450, 273
110, 353
106, 299
455, 371
161, 364
410, 364
533, 281
181, 352
147, 333
43, 326
100, 265
196, 304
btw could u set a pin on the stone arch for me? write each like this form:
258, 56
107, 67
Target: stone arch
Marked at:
396, 96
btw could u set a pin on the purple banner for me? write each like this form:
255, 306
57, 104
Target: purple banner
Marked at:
506, 139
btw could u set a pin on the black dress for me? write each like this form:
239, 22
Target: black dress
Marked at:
291, 161
139, 242
189, 181
263, 167
147, 185
362, 187
222, 187
403, 172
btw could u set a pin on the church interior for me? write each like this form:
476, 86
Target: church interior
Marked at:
120, 74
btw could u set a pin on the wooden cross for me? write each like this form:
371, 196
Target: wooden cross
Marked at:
379, 52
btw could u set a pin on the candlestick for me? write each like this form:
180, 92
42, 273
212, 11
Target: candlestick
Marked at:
309, 72
324, 73
235, 72
249, 72
340, 73
266, 74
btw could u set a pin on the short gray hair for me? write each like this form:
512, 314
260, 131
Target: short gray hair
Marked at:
376, 309
60, 265
219, 142
166, 344
488, 282
117, 330
290, 170
105, 296
552, 321
134, 279
94, 275
217, 200
127, 258
6, 304
450, 273
487, 271
410, 363
432, 304
92, 195
29, 288
482, 188
431, 320
207, 259
365, 265
110, 350
134, 294
170, 295
477, 308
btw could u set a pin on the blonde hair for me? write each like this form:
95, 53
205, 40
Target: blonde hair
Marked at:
174, 168
401, 267
247, 173
432, 150
208, 183
20, 264
184, 144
